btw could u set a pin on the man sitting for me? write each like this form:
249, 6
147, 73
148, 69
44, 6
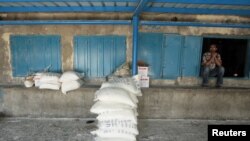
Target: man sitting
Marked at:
212, 66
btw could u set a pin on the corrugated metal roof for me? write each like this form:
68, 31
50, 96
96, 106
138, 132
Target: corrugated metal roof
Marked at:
227, 7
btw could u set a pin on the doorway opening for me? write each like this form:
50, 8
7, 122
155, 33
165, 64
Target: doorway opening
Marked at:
233, 54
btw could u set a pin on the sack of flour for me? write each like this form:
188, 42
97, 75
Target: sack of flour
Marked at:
37, 78
112, 139
118, 124
28, 83
49, 77
120, 115
129, 84
110, 133
48, 80
71, 85
49, 86
117, 95
103, 106
71, 76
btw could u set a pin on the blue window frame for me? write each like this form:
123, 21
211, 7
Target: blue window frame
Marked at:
99, 56
32, 53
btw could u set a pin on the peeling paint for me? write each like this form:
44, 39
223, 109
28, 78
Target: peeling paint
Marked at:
196, 30
7, 72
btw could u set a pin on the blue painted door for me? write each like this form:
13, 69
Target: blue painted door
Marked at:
191, 56
150, 52
32, 53
99, 56
172, 56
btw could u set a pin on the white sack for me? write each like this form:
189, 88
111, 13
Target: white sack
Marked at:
120, 115
28, 83
49, 86
37, 82
71, 85
133, 97
70, 76
117, 95
129, 84
112, 139
49, 77
107, 133
102, 107
37, 78
119, 124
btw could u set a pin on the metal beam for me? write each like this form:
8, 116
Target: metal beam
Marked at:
140, 7
67, 22
135, 23
217, 2
198, 11
67, 9
68, 0
195, 24
121, 22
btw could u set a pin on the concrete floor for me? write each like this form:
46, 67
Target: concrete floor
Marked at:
27, 129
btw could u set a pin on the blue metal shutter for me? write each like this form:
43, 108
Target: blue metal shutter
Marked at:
191, 56
32, 53
150, 52
172, 56
99, 56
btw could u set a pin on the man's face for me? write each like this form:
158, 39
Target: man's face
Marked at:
213, 48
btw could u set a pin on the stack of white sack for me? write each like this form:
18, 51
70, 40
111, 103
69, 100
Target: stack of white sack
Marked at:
29, 82
116, 106
36, 78
71, 81
47, 80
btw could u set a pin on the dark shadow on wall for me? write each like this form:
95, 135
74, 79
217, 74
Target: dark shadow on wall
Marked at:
2, 113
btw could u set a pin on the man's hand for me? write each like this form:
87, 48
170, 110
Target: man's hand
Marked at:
217, 61
212, 58
214, 55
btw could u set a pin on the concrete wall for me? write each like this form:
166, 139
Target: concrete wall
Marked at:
156, 103
198, 31
23, 102
195, 103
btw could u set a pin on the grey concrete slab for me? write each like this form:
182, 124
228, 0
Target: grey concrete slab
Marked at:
156, 102
55, 129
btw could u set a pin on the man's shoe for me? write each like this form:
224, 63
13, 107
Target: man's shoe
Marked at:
204, 85
218, 86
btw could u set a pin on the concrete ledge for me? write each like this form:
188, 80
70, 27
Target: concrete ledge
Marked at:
156, 103
195, 103
228, 82
23, 102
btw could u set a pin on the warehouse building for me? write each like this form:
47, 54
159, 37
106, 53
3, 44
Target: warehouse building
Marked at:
105, 37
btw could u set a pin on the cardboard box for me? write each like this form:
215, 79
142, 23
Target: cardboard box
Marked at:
143, 71
144, 82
